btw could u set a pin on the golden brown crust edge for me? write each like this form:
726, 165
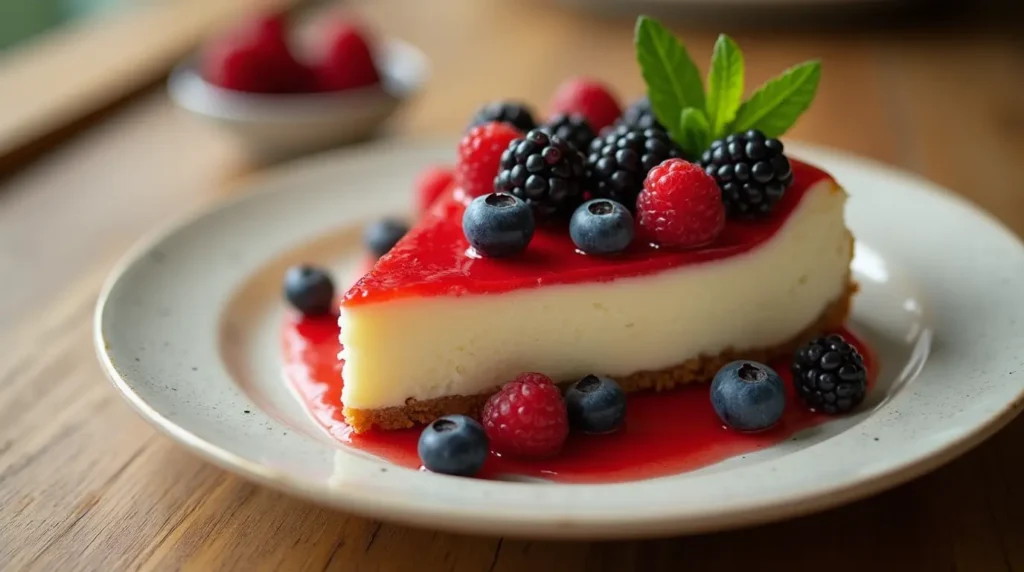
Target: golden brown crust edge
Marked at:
699, 369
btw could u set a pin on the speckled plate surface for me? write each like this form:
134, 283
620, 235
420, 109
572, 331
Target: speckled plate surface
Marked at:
187, 329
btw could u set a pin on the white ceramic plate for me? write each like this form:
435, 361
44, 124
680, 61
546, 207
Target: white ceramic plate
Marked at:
187, 328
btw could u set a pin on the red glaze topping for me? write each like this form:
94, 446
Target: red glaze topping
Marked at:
432, 259
665, 433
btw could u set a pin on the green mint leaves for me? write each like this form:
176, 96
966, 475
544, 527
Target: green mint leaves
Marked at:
695, 118
673, 80
725, 85
777, 104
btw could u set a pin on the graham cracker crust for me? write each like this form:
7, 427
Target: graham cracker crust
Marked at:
694, 370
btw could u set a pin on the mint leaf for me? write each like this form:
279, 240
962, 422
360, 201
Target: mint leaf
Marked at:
696, 132
777, 104
725, 85
673, 80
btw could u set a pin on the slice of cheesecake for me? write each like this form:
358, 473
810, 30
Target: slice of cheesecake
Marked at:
433, 329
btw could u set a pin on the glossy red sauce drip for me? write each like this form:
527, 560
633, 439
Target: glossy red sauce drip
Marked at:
432, 259
665, 433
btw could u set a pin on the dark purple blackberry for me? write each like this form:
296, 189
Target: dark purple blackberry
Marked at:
829, 375
620, 159
544, 170
516, 114
751, 170
572, 128
639, 114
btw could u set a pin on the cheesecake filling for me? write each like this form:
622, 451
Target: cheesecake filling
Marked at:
425, 348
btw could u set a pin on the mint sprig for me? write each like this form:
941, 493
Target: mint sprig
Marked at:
777, 104
694, 119
673, 80
725, 85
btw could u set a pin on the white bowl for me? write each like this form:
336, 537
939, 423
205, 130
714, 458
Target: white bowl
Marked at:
273, 127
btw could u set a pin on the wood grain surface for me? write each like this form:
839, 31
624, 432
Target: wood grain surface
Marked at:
87, 485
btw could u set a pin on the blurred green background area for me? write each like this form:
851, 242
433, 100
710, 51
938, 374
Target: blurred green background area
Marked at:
21, 20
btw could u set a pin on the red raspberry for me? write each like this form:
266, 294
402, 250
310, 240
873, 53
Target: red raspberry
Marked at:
527, 417
680, 205
590, 98
431, 183
254, 57
480, 154
347, 62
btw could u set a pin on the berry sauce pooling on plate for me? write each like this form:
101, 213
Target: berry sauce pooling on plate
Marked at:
751, 170
830, 375
665, 433
545, 171
432, 259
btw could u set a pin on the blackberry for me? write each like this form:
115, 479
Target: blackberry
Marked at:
751, 171
516, 114
639, 114
620, 159
829, 375
572, 128
544, 170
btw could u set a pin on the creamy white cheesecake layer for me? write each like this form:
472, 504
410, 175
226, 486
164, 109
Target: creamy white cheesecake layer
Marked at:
424, 348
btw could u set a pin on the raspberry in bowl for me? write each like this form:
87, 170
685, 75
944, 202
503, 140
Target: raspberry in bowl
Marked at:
255, 83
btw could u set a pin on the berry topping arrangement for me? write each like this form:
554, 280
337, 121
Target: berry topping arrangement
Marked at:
690, 173
256, 57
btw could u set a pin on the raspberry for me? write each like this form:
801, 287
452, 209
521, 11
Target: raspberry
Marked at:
254, 57
431, 183
480, 156
527, 417
347, 62
680, 205
589, 98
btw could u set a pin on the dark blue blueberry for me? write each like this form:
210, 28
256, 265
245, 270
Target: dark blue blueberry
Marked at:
453, 445
309, 289
601, 226
381, 236
748, 396
595, 404
498, 224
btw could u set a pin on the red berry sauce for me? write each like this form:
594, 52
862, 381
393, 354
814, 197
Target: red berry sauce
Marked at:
665, 433
432, 258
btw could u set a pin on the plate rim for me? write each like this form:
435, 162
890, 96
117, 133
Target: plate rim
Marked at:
512, 525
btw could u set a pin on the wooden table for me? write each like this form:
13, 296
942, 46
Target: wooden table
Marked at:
86, 484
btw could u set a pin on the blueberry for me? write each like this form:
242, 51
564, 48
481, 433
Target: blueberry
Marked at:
309, 289
453, 445
381, 236
601, 226
498, 224
748, 396
595, 404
